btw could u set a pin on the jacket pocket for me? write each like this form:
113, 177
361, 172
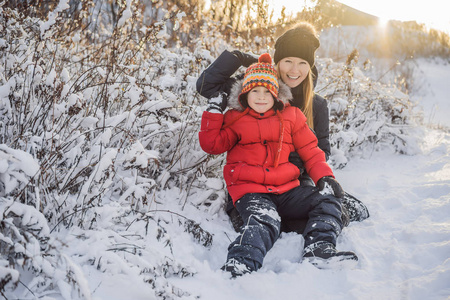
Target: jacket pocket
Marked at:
231, 173
283, 174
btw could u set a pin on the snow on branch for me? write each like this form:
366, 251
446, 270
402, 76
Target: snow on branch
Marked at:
365, 115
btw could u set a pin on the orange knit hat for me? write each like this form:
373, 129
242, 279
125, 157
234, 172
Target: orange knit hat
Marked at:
262, 73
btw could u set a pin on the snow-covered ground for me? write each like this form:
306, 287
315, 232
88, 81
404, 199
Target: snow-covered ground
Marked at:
404, 247
434, 94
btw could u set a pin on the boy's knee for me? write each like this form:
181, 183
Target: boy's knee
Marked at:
266, 222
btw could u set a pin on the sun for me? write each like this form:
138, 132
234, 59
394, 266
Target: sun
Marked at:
383, 22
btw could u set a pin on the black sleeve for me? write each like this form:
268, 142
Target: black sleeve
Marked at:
217, 76
322, 124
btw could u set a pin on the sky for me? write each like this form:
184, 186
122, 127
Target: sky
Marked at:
432, 13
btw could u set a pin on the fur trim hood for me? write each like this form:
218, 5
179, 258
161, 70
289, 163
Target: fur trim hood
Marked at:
284, 94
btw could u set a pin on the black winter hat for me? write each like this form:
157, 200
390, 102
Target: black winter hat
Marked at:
300, 41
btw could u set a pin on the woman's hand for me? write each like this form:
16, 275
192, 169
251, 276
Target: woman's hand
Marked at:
331, 183
246, 58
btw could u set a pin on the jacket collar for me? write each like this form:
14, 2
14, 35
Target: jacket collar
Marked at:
269, 113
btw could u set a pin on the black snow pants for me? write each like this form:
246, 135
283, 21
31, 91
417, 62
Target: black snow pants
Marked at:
262, 215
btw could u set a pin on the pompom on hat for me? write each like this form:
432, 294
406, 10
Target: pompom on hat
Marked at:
262, 73
300, 41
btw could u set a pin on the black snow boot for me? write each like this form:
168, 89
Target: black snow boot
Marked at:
325, 256
236, 268
356, 210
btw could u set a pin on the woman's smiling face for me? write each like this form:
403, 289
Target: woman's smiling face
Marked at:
293, 70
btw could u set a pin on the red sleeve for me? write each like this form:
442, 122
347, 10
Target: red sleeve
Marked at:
305, 143
213, 139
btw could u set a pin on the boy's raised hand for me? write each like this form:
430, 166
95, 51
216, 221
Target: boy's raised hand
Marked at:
217, 103
332, 183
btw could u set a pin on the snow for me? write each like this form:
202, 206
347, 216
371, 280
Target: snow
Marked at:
133, 241
434, 97
127, 14
403, 248
62, 5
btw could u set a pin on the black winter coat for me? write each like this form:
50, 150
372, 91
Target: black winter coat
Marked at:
219, 77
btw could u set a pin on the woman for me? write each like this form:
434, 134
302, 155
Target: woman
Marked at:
294, 57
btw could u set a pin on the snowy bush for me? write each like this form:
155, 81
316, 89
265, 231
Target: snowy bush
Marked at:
100, 162
365, 116
92, 134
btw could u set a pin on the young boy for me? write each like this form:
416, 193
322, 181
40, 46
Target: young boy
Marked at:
258, 133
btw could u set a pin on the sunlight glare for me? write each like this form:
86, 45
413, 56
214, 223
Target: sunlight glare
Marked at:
383, 22
429, 12
207, 5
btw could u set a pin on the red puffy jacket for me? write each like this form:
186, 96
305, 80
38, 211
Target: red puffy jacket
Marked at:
257, 158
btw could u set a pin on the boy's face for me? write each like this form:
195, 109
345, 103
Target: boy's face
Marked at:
260, 99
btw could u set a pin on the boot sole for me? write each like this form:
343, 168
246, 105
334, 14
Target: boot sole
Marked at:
342, 262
